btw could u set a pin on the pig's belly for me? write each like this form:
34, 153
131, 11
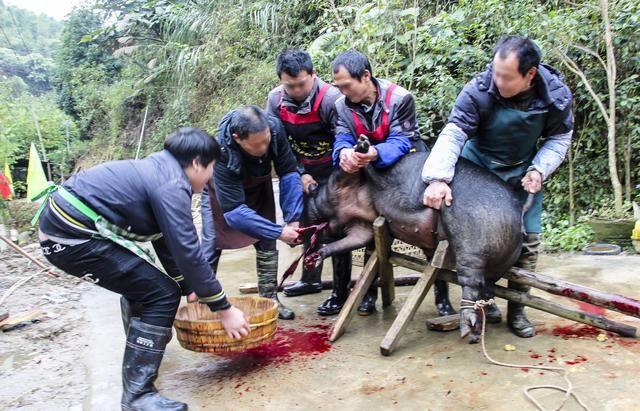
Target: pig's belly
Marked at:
415, 231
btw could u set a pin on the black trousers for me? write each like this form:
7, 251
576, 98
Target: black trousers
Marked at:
117, 269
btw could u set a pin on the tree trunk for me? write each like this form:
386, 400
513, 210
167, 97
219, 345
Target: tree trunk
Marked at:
611, 126
572, 203
627, 169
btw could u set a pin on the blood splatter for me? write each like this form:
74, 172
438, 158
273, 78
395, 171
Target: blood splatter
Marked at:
632, 309
577, 331
368, 390
524, 369
287, 345
534, 355
578, 360
590, 308
627, 343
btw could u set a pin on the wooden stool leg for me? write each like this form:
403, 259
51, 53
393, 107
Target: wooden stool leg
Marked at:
388, 344
369, 273
383, 242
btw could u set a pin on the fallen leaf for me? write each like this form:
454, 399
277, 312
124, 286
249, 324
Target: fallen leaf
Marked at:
509, 347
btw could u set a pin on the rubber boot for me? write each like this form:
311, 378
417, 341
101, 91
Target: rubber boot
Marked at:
267, 268
368, 304
516, 318
441, 291
142, 357
341, 281
128, 310
492, 313
310, 283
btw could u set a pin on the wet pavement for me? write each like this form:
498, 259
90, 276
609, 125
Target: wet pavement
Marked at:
430, 370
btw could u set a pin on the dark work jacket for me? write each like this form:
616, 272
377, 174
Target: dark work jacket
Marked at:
146, 197
235, 165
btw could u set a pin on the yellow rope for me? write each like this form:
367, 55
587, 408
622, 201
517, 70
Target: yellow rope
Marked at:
479, 305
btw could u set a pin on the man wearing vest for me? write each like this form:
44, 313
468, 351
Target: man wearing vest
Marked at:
306, 106
238, 209
386, 114
89, 227
513, 119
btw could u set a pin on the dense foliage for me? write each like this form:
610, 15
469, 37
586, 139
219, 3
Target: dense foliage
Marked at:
190, 61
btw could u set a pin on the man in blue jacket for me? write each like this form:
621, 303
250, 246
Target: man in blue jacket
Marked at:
306, 107
515, 120
239, 208
89, 227
386, 114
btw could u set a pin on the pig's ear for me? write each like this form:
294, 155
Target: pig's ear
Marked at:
313, 189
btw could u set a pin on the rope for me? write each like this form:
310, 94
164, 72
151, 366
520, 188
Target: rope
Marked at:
479, 305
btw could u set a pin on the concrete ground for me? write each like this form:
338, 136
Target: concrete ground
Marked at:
429, 371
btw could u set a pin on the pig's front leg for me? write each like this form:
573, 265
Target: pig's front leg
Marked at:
358, 235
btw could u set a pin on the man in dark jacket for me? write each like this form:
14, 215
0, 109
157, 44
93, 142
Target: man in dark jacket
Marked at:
306, 106
386, 114
513, 119
89, 228
239, 208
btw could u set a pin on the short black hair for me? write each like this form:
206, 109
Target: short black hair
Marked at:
524, 48
293, 61
354, 62
188, 143
248, 120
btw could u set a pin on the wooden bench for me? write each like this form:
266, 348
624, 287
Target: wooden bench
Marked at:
380, 264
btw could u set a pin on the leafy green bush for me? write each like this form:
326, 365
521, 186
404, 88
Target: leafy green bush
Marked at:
559, 235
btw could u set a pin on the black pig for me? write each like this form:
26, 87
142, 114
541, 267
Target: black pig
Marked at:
483, 225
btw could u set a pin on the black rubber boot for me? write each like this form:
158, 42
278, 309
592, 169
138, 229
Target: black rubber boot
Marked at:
128, 310
441, 291
341, 281
267, 268
368, 304
310, 283
516, 318
142, 357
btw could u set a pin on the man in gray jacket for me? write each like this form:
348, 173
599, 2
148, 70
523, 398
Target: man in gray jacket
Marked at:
515, 120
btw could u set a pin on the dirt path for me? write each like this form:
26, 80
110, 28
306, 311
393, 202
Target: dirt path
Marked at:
71, 359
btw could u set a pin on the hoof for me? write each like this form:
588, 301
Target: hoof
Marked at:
312, 261
474, 339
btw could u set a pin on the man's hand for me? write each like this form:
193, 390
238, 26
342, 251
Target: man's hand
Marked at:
351, 161
235, 322
532, 181
290, 234
434, 194
307, 181
363, 160
192, 298
347, 161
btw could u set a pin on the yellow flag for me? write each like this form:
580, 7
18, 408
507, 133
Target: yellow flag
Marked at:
7, 172
36, 180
